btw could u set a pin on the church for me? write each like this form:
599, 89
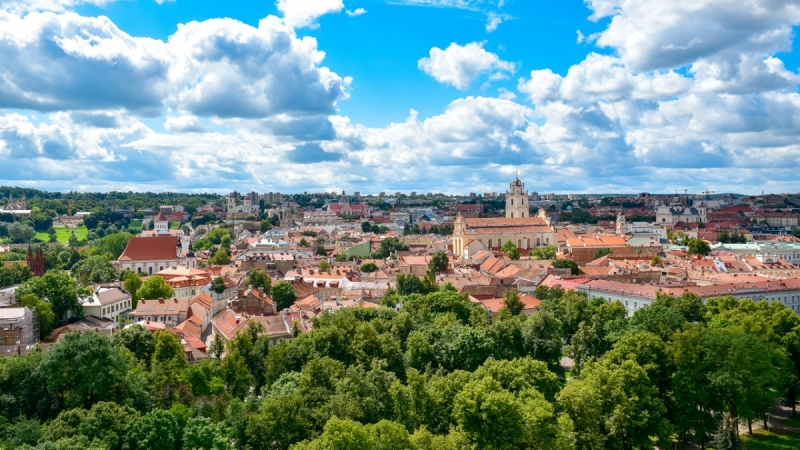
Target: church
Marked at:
518, 226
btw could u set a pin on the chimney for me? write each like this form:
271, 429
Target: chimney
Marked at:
240, 293
160, 300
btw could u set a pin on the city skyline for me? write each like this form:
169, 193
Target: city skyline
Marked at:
450, 96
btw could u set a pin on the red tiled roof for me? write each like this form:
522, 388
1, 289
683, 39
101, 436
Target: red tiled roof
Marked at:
151, 248
160, 217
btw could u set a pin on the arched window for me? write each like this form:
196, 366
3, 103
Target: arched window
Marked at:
523, 201
519, 243
512, 202
512, 214
150, 270
490, 243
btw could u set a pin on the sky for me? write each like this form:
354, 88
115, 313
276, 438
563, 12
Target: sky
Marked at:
452, 96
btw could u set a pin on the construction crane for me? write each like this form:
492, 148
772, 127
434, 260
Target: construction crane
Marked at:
707, 192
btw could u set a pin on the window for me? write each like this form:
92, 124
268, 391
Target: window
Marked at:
512, 202
512, 214
150, 270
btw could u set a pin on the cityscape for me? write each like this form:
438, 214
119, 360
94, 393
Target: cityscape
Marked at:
399, 225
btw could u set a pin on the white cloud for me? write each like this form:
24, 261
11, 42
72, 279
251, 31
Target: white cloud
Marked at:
23, 6
185, 124
304, 13
657, 35
218, 68
65, 61
356, 12
229, 69
493, 20
460, 65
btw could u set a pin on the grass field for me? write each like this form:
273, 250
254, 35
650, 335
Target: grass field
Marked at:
63, 234
135, 224
771, 440
174, 225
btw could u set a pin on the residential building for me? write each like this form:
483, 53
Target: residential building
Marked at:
109, 301
170, 312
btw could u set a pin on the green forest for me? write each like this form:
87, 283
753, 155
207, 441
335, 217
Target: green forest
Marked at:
434, 373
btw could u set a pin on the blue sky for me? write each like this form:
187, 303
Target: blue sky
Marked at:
426, 95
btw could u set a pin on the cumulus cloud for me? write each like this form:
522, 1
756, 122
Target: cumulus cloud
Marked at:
304, 13
356, 12
230, 69
217, 68
185, 124
459, 65
671, 34
65, 61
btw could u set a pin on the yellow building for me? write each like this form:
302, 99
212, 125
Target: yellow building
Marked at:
524, 232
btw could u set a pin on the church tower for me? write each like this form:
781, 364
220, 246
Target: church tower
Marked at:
622, 227
517, 200
231, 203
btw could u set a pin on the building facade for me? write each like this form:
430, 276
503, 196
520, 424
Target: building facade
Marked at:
525, 233
517, 200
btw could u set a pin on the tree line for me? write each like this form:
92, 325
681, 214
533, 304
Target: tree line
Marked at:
430, 371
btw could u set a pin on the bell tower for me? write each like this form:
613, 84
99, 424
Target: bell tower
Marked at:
621, 224
517, 200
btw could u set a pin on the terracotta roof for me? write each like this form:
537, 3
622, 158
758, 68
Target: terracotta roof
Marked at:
160, 217
162, 307
151, 249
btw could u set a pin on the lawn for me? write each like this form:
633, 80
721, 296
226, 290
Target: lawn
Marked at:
771, 440
174, 225
63, 234
135, 224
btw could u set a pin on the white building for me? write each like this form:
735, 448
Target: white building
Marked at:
678, 212
149, 255
108, 302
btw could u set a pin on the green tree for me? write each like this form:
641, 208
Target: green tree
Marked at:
408, 284
369, 267
42, 309
541, 334
489, 415
156, 429
366, 227
420, 354
600, 252
264, 226
546, 252
218, 285
58, 288
511, 250
657, 319
280, 422
260, 279
564, 263
217, 346
283, 295
138, 340
83, 368
324, 266
698, 247
203, 434
615, 407
112, 245
132, 284
656, 261
21, 233
512, 302
94, 269
438, 262
222, 257
154, 288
